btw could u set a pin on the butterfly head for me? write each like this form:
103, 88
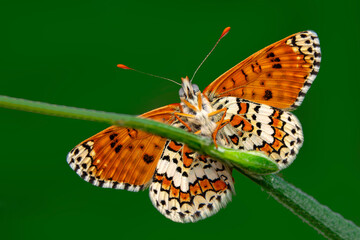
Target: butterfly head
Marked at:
188, 90
192, 100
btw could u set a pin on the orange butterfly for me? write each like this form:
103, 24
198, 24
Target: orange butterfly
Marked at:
246, 108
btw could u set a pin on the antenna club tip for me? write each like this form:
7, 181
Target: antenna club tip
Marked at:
226, 30
123, 66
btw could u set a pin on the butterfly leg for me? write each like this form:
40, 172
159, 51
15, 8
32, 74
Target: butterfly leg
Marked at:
197, 132
189, 105
177, 116
199, 101
220, 124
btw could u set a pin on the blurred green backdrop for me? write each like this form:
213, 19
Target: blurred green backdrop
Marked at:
65, 52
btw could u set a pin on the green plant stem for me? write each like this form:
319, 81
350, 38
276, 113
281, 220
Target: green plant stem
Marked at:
250, 161
330, 224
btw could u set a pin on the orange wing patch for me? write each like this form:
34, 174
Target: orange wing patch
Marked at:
187, 156
278, 75
121, 158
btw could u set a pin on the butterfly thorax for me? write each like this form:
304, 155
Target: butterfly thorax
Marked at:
196, 108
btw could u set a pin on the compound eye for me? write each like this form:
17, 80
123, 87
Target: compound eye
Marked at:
195, 88
181, 92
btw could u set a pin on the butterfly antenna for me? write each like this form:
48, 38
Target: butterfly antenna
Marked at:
149, 74
226, 30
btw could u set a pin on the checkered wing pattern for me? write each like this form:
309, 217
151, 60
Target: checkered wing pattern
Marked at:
187, 186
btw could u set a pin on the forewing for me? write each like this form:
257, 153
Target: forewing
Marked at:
188, 187
121, 158
279, 75
254, 126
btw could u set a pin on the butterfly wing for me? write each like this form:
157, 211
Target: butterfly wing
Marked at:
188, 187
121, 158
278, 75
254, 126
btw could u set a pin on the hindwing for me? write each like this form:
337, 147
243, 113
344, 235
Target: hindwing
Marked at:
254, 126
187, 186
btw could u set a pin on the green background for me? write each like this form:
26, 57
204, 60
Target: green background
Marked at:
65, 52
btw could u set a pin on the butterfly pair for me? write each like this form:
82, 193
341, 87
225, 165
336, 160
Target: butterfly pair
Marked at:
246, 108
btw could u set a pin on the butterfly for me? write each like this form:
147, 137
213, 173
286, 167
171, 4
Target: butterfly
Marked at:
246, 108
